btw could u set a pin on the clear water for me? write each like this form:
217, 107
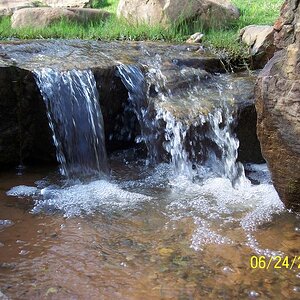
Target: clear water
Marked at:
185, 229
148, 233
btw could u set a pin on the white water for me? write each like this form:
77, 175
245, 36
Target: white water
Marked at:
201, 144
221, 213
75, 119
134, 80
203, 180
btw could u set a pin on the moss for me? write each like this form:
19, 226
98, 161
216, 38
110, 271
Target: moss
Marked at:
293, 187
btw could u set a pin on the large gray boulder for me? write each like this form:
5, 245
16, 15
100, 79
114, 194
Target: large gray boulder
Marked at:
278, 107
39, 17
166, 12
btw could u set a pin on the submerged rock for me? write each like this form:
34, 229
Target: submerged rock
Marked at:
154, 12
278, 107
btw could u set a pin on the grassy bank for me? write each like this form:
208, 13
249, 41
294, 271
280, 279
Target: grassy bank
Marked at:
224, 40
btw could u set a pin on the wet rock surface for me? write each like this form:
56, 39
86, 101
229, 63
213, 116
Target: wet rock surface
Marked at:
25, 134
179, 68
278, 107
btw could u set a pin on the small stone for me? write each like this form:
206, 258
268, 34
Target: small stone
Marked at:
51, 290
129, 257
23, 252
195, 38
227, 269
165, 251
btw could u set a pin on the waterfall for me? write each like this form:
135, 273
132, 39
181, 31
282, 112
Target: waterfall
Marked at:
75, 119
200, 143
133, 79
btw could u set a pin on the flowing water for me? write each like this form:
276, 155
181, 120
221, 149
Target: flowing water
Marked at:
182, 223
75, 118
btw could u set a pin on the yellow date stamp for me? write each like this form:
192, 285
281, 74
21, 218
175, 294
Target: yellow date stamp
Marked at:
274, 262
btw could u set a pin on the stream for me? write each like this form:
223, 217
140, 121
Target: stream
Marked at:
177, 216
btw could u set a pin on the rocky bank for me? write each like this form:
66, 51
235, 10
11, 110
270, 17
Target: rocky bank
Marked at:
278, 106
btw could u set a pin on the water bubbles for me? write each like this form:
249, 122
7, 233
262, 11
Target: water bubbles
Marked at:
6, 223
22, 191
24, 252
20, 169
253, 294
296, 289
87, 198
227, 270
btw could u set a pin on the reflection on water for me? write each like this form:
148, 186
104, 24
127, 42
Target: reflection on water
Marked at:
146, 234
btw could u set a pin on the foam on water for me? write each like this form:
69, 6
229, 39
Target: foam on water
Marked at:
217, 208
22, 191
79, 199
5, 223
221, 213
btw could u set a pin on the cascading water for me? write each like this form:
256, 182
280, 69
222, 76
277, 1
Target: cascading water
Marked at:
75, 119
134, 80
203, 143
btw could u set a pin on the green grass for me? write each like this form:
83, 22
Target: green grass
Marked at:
109, 5
261, 12
222, 40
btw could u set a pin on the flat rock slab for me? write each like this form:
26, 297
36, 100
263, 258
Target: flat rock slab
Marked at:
79, 54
